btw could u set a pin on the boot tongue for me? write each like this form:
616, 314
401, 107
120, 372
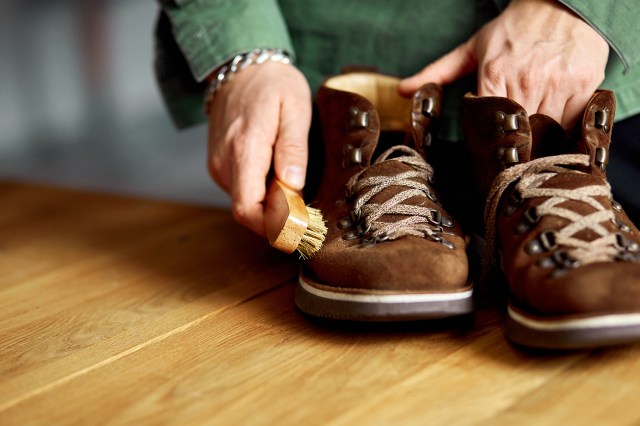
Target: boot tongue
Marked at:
548, 138
426, 107
592, 137
422, 120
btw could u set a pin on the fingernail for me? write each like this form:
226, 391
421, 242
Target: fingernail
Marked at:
294, 177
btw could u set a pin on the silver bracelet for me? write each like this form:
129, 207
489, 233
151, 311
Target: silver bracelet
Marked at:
238, 63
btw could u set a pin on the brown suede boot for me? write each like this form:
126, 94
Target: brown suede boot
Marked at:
569, 252
391, 252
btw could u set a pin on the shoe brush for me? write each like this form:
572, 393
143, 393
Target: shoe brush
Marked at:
290, 224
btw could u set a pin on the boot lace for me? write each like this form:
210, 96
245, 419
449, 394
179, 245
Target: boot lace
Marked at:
420, 221
532, 175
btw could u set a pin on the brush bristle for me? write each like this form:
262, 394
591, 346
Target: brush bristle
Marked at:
314, 236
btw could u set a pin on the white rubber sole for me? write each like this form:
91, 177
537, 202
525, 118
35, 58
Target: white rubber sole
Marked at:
380, 307
572, 333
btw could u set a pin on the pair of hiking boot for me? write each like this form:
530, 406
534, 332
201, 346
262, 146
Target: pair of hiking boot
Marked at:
393, 253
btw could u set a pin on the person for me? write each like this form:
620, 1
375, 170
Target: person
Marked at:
549, 56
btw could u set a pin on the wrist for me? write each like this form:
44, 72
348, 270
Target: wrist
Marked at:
225, 72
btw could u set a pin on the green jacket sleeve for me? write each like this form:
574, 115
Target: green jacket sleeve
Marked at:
616, 21
194, 37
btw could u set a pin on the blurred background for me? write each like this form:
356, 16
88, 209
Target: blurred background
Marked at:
80, 108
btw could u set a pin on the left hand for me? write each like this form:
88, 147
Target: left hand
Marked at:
536, 52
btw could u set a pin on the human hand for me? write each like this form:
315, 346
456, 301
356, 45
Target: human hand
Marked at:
262, 114
536, 52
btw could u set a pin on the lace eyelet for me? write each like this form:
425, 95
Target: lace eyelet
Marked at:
625, 256
354, 217
514, 201
361, 230
350, 236
546, 241
435, 217
559, 259
626, 244
600, 120
433, 236
448, 244
529, 219
601, 158
344, 223
616, 206
359, 118
563, 260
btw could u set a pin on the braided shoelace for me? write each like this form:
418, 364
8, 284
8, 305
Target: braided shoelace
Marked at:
419, 221
532, 175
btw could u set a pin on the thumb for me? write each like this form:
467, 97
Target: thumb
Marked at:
447, 69
291, 148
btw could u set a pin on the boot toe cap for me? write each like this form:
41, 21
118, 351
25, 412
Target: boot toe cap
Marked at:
408, 264
595, 288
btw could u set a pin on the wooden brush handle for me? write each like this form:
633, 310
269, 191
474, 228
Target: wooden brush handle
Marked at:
285, 217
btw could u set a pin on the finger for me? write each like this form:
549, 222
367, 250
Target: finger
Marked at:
219, 138
574, 108
553, 105
524, 94
251, 162
449, 68
218, 165
249, 187
219, 170
527, 85
291, 148
492, 79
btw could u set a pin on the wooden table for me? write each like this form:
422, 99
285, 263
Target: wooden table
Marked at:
120, 310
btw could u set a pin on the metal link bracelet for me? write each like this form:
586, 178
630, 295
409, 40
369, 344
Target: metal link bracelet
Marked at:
238, 63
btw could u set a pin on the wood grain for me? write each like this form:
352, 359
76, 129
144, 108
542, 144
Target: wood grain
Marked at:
118, 310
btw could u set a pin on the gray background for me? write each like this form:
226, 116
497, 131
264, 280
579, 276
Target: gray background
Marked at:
79, 105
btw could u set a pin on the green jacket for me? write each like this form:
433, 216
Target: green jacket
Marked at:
193, 37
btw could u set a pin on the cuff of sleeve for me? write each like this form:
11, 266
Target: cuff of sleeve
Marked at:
210, 35
616, 23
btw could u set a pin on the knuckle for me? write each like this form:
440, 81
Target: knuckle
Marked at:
494, 69
584, 78
216, 170
528, 79
214, 167
589, 79
555, 81
240, 213
235, 125
493, 72
293, 147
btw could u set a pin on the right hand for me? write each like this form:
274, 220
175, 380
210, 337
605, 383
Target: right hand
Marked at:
262, 114
536, 52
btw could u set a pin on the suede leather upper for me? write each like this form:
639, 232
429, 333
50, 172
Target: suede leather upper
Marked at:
593, 289
409, 263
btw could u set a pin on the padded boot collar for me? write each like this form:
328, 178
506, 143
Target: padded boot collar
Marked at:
374, 99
